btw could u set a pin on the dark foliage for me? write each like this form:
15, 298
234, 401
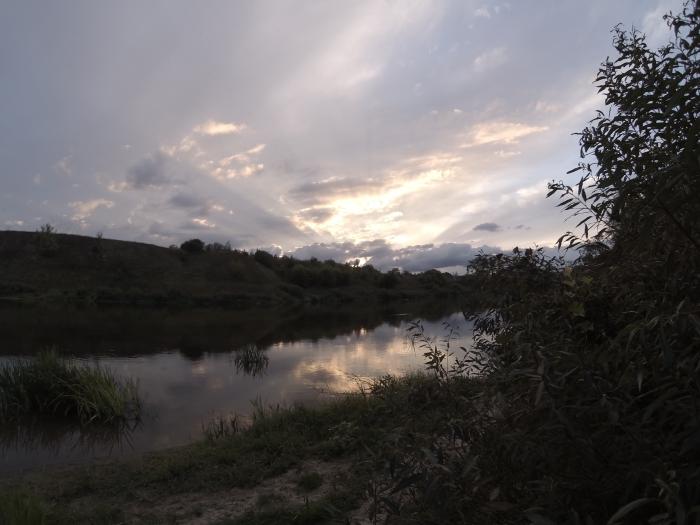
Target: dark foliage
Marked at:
47, 244
264, 258
192, 246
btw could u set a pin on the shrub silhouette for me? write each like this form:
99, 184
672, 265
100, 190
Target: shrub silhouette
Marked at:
192, 246
264, 258
47, 243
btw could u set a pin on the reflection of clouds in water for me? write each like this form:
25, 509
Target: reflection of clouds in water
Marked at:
199, 369
316, 374
183, 393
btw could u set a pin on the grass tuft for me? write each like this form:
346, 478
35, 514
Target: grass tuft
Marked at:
51, 385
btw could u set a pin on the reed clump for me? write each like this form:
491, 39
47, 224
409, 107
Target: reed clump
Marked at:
52, 385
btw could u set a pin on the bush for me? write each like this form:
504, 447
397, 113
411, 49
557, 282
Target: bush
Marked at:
301, 276
192, 246
218, 247
390, 279
47, 243
265, 258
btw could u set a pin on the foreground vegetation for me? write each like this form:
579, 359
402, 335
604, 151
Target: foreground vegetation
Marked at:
51, 386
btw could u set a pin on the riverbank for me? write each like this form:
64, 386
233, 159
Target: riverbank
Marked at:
345, 459
39, 268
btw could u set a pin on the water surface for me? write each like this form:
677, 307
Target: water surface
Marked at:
191, 367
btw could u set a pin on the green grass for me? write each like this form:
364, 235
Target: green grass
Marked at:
21, 508
51, 385
310, 481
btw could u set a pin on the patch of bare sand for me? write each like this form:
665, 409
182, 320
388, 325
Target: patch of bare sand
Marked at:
207, 508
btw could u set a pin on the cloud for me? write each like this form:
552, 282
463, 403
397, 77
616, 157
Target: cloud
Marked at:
488, 227
417, 258
490, 59
65, 165
315, 215
199, 223
500, 132
186, 200
148, 173
244, 171
159, 229
504, 154
486, 12
482, 12
654, 26
327, 190
214, 127
382, 256
193, 203
360, 209
543, 106
84, 209
238, 164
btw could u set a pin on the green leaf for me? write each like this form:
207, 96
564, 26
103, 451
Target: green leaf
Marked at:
577, 309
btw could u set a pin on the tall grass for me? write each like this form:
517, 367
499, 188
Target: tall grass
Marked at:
221, 427
20, 508
51, 385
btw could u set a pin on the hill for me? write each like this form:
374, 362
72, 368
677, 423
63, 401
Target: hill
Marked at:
48, 267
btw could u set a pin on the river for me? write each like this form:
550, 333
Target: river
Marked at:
192, 366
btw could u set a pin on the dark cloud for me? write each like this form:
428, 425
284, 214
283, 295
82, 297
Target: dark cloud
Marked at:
311, 193
337, 251
195, 205
186, 200
148, 173
382, 256
315, 214
488, 227
161, 230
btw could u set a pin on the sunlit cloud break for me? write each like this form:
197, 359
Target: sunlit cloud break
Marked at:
214, 127
500, 132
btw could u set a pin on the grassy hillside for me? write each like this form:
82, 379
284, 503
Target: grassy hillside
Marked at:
51, 267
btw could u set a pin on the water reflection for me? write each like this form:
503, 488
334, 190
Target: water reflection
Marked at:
184, 386
55, 437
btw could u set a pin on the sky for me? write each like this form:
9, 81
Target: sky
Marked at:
407, 133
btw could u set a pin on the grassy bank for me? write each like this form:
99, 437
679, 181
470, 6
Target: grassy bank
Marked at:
50, 385
335, 461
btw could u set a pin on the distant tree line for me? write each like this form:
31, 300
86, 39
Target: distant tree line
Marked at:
313, 273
